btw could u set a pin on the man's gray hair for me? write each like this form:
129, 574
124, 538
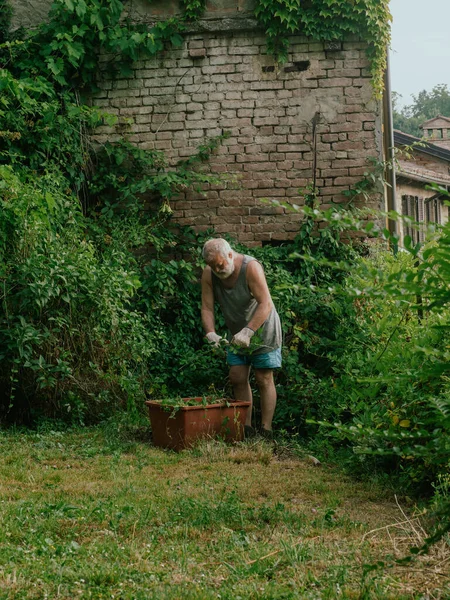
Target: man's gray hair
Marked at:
214, 247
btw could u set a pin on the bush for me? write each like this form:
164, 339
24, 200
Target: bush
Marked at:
398, 387
76, 337
67, 324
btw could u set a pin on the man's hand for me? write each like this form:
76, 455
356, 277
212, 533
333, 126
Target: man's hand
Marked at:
214, 339
243, 337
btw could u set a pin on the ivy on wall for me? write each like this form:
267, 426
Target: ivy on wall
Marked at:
321, 20
78, 32
193, 9
78, 29
329, 20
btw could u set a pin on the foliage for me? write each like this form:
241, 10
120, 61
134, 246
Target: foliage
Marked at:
67, 331
174, 404
401, 425
42, 128
329, 20
170, 403
68, 46
193, 9
125, 177
430, 104
79, 326
386, 386
426, 105
43, 119
407, 124
84, 315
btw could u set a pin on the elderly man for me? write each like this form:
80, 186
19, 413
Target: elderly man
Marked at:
237, 282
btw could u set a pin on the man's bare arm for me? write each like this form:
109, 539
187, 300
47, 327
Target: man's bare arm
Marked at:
257, 283
207, 301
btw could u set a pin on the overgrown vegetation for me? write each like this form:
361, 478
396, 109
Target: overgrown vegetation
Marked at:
100, 296
83, 308
321, 20
374, 364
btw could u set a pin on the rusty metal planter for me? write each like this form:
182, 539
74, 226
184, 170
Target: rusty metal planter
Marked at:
182, 426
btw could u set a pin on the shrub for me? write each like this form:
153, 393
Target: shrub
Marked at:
74, 333
400, 417
67, 323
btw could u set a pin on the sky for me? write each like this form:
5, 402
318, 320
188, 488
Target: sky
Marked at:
420, 46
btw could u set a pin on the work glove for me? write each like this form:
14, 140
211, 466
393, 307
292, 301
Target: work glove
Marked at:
214, 339
243, 337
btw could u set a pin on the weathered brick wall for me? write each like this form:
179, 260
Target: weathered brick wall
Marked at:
219, 82
29, 13
222, 79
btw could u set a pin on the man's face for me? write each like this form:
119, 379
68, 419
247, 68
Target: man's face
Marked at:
222, 266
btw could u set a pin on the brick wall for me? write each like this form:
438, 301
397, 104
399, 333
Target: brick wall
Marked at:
224, 80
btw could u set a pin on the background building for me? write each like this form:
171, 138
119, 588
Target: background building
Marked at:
420, 164
437, 131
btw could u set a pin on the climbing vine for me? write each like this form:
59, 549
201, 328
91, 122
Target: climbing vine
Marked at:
193, 9
329, 20
70, 45
321, 20
77, 30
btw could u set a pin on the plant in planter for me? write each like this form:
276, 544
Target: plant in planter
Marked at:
178, 423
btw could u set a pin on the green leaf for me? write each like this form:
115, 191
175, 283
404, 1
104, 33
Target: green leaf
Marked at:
56, 67
81, 8
176, 40
50, 201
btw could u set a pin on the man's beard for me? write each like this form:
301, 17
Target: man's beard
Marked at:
225, 273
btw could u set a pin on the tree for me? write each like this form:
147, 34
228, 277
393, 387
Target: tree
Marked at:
426, 105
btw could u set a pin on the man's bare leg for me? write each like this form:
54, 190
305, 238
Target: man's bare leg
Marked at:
268, 394
241, 387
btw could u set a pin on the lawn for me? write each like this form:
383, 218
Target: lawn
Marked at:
99, 513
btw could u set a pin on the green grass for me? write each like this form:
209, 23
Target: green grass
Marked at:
94, 513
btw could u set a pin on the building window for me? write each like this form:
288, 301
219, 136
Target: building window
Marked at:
421, 212
413, 207
433, 213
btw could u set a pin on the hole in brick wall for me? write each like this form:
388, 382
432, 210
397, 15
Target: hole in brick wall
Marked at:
268, 69
300, 65
274, 243
333, 46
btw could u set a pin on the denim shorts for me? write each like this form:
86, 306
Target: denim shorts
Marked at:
269, 360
